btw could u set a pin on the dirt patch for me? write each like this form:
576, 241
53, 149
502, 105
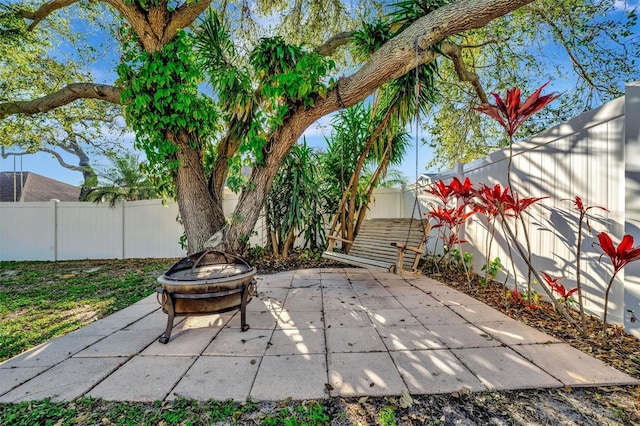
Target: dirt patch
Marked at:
531, 407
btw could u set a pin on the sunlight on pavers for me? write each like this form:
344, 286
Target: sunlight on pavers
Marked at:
356, 374
434, 371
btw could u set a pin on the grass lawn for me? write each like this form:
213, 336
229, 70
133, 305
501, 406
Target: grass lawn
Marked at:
42, 300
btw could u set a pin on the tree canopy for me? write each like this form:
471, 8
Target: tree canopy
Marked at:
588, 49
35, 62
286, 105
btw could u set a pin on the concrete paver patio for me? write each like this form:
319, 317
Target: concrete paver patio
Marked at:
314, 333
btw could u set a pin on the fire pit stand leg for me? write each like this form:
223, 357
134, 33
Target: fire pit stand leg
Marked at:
171, 313
243, 308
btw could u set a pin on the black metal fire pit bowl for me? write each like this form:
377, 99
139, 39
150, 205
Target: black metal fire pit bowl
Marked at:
206, 283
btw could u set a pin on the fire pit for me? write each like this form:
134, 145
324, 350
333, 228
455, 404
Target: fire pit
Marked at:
206, 283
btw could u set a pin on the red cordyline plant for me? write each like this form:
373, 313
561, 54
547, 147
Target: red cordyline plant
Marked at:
516, 206
518, 299
583, 217
451, 218
462, 190
555, 285
488, 202
455, 189
620, 256
497, 199
511, 113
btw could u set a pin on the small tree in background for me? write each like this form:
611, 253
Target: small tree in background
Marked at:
125, 180
296, 203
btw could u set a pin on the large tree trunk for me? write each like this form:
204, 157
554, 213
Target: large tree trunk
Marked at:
397, 57
201, 213
253, 195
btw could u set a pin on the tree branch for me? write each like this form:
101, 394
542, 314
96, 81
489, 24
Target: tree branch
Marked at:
577, 65
454, 52
412, 48
45, 10
483, 44
333, 43
64, 96
58, 157
183, 17
395, 58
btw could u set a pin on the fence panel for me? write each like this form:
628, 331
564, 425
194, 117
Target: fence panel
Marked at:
386, 202
27, 231
583, 157
151, 229
89, 231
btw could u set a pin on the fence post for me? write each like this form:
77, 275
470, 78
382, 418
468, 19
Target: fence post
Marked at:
54, 217
122, 234
631, 308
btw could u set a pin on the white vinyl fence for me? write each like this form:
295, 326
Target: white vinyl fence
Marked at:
595, 156
135, 229
78, 230
74, 230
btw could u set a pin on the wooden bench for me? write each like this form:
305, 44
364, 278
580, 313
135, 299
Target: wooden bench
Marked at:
380, 244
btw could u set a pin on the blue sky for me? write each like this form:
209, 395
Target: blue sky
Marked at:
46, 165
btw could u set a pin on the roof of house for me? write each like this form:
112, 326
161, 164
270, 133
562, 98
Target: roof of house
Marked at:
29, 186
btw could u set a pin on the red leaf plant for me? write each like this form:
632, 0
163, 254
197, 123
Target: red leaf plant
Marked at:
489, 199
443, 192
496, 200
521, 204
483, 204
620, 256
462, 190
583, 213
584, 210
451, 219
555, 285
520, 300
511, 113
446, 192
